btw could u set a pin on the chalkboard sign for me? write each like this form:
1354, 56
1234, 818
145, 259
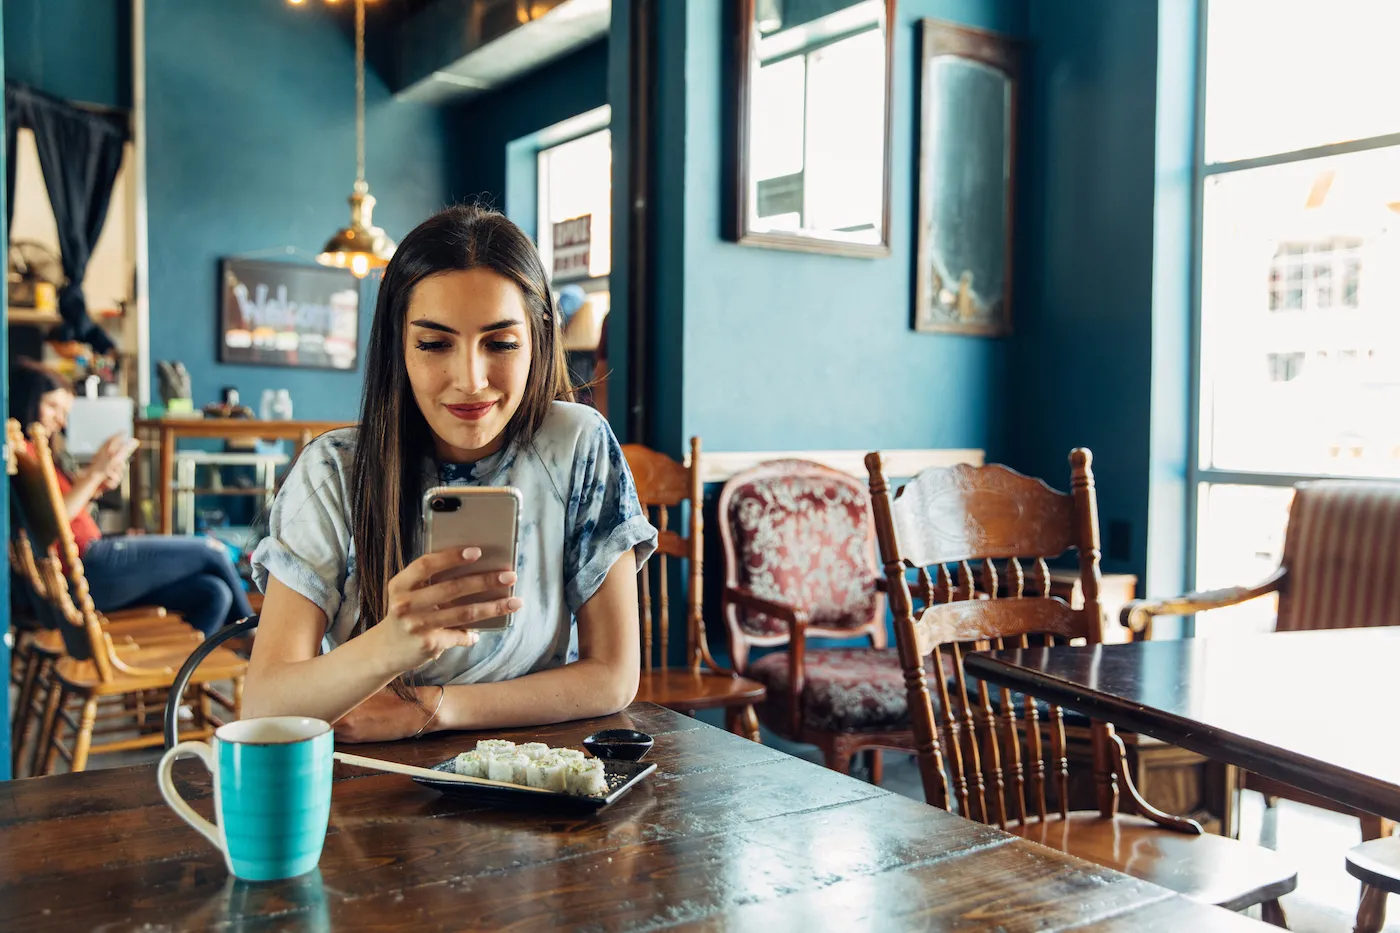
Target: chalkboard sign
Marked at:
288, 314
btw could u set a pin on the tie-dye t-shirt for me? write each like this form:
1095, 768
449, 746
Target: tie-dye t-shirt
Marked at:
579, 515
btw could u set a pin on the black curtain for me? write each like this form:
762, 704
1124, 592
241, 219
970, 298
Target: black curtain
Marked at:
80, 153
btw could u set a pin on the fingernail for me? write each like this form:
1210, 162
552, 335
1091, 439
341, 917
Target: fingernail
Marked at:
507, 577
513, 604
471, 553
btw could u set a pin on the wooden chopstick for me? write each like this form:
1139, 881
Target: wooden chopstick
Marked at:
379, 764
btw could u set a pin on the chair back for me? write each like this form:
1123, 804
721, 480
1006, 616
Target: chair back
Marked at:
977, 755
668, 491
60, 581
801, 534
1340, 553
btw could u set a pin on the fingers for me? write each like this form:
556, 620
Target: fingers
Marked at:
448, 592
471, 614
422, 570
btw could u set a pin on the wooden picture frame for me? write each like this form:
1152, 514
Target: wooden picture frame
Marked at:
969, 80
740, 70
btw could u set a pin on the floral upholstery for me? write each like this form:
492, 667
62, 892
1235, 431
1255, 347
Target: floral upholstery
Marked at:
846, 690
802, 535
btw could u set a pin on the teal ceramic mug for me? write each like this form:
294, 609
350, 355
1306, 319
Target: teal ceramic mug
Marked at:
272, 794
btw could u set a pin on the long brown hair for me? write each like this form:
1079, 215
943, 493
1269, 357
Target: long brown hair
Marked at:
394, 437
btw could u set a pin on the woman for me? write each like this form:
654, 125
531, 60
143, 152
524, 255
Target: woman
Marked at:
191, 576
465, 384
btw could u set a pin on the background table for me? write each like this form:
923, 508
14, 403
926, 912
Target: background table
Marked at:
1312, 709
726, 835
167, 431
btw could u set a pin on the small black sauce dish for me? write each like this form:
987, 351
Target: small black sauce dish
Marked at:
619, 744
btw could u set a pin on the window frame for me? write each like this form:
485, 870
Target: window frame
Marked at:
1197, 474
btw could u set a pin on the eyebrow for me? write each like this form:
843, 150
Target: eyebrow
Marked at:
499, 325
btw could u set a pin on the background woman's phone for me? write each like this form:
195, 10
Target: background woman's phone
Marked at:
487, 517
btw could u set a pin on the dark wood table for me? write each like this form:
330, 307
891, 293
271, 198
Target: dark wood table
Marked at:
726, 835
1311, 709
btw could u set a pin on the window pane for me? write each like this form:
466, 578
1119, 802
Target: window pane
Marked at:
1290, 74
576, 181
1300, 317
1239, 542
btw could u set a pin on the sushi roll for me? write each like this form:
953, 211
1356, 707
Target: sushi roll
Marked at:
519, 768
586, 778
471, 764
502, 768
493, 747
539, 771
569, 754
533, 750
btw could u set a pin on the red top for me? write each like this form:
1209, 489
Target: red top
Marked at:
85, 530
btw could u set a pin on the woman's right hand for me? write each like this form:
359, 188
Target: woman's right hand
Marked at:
423, 619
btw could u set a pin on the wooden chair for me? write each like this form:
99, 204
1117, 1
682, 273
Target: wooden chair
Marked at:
1336, 572
999, 758
93, 667
39, 644
664, 486
1377, 864
799, 559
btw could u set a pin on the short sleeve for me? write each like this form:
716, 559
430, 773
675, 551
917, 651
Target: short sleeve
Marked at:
603, 519
308, 542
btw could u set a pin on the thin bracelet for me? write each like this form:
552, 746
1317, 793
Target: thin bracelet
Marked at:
441, 696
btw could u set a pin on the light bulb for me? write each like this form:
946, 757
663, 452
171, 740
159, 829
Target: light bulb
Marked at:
359, 265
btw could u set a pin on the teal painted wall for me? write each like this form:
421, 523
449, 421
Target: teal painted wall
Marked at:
1091, 279
74, 49
787, 350
251, 128
4, 479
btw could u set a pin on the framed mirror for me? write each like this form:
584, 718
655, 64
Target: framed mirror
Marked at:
969, 84
812, 120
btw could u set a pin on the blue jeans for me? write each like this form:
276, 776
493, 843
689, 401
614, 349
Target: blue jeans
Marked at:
191, 576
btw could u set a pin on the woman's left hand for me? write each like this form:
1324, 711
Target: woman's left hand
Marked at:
384, 717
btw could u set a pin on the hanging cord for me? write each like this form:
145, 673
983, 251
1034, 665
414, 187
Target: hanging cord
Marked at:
360, 97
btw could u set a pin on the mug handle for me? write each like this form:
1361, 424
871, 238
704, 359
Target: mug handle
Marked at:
177, 803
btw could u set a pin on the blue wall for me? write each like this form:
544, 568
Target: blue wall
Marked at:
4, 479
786, 350
480, 129
75, 49
251, 128
1084, 346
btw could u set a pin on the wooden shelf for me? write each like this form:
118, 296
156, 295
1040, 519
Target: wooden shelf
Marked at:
31, 316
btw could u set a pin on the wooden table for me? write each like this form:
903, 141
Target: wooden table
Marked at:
726, 835
1311, 709
168, 430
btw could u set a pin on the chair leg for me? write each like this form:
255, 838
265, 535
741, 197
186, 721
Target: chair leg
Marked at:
19, 727
237, 698
1370, 915
1273, 913
751, 730
1230, 818
877, 766
82, 742
47, 749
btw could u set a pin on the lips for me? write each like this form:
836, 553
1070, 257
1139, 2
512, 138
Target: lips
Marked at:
473, 412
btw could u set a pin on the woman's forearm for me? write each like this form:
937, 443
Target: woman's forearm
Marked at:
85, 487
324, 687
584, 689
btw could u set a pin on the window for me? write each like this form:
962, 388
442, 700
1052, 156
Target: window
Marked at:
575, 184
1285, 367
1300, 247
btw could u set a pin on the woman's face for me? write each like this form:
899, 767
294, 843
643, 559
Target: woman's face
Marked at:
467, 349
54, 407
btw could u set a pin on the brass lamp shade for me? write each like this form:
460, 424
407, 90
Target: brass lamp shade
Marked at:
360, 246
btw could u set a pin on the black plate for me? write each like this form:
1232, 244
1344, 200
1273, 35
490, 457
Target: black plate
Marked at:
621, 776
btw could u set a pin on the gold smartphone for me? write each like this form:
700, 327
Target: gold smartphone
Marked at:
486, 517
